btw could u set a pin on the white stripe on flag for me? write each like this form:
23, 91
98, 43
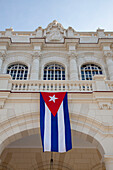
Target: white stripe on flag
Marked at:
61, 130
47, 130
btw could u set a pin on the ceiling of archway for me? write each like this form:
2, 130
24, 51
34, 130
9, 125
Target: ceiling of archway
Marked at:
79, 140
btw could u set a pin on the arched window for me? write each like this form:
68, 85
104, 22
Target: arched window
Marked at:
54, 72
18, 71
89, 70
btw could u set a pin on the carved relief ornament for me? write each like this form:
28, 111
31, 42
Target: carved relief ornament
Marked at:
108, 54
55, 32
2, 55
105, 105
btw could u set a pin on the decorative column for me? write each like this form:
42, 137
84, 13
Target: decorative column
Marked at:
108, 159
73, 67
109, 61
35, 66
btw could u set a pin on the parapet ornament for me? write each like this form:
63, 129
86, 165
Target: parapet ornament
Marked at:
54, 24
55, 32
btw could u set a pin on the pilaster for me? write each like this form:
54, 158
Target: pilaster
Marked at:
35, 66
109, 61
73, 66
2, 58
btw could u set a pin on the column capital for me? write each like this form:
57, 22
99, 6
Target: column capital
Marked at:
72, 55
2, 55
36, 55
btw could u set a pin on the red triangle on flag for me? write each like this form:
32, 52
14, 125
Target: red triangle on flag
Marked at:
53, 100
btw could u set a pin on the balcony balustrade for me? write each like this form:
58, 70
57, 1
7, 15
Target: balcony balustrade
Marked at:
53, 85
98, 84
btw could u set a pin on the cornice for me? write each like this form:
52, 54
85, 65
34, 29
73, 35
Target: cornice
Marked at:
41, 41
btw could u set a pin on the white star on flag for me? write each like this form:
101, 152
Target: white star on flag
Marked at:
52, 98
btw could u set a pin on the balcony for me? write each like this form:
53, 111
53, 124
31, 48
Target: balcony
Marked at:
45, 85
98, 84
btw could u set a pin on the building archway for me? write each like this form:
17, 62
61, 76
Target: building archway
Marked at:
27, 152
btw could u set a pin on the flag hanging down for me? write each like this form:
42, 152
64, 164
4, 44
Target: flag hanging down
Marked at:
54, 122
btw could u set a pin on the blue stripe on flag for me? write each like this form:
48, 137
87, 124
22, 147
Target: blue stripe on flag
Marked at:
42, 118
67, 124
54, 133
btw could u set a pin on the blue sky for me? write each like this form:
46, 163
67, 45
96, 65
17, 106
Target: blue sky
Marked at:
82, 15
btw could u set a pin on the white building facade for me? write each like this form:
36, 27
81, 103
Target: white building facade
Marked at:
56, 59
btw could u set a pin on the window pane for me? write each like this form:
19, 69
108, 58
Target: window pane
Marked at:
54, 72
88, 71
17, 71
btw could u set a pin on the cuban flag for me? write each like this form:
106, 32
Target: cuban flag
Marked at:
54, 122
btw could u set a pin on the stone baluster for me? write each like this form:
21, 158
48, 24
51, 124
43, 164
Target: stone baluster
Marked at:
109, 61
108, 159
73, 67
35, 66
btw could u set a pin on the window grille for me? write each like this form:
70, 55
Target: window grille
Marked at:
18, 71
54, 72
89, 70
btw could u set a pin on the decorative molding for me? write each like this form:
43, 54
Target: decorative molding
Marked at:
2, 55
108, 54
108, 158
3, 98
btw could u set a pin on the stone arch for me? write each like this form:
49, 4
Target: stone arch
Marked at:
96, 131
30, 129
39, 164
56, 62
16, 127
14, 60
92, 129
18, 62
